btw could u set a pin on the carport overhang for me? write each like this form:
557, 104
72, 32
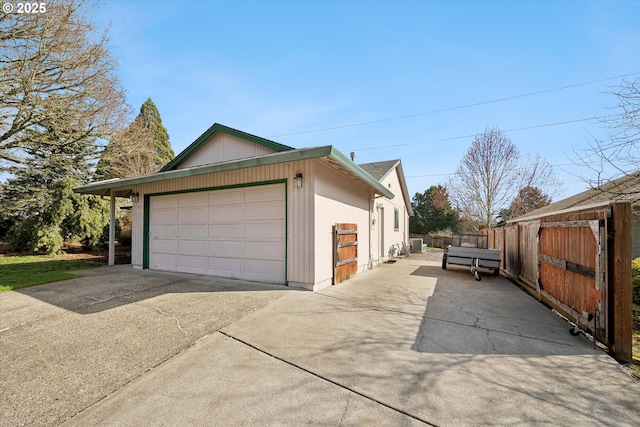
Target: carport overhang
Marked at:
124, 187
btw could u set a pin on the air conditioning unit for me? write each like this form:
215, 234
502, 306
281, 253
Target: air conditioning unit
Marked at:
416, 245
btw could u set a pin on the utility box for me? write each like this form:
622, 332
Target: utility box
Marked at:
416, 245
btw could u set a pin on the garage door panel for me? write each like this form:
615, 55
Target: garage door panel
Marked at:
225, 267
164, 216
193, 247
224, 197
165, 246
226, 213
226, 249
264, 211
264, 250
264, 194
272, 230
163, 261
197, 231
226, 232
163, 202
192, 199
192, 262
197, 214
262, 270
164, 232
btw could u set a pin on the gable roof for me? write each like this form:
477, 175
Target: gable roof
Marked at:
625, 189
123, 187
224, 129
380, 170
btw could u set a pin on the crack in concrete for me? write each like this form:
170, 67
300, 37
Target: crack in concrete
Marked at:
493, 345
173, 317
346, 408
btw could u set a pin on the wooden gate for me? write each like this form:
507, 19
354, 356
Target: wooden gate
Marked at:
578, 261
345, 254
572, 260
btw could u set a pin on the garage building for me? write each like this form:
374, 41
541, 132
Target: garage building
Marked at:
237, 205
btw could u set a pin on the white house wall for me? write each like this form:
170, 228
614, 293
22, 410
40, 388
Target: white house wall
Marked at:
222, 147
392, 237
300, 218
338, 200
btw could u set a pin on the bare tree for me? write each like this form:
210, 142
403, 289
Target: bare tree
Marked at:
490, 175
56, 75
614, 161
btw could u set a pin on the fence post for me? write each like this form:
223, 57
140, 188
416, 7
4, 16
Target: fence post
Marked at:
619, 298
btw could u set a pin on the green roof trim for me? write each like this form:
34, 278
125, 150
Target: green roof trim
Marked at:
229, 131
125, 184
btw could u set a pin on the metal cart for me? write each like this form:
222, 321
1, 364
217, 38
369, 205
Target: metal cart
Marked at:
470, 250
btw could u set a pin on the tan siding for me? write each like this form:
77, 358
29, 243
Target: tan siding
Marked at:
222, 147
299, 210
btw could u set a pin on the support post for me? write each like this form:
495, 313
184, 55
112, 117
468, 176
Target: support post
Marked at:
112, 229
620, 323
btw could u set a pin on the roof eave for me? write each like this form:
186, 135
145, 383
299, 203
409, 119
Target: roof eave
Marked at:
361, 173
125, 185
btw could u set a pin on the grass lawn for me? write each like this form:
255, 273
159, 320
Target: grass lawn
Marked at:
18, 272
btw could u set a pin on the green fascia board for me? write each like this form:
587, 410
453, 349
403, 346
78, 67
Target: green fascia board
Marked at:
269, 159
350, 165
229, 131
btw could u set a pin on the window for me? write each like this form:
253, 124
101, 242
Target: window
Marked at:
396, 219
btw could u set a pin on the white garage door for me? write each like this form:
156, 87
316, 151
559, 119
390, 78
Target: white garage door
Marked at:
238, 233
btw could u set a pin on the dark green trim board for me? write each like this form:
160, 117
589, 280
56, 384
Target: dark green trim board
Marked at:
219, 187
229, 131
286, 232
145, 232
146, 244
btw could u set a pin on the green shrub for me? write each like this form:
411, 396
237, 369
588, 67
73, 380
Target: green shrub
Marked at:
635, 271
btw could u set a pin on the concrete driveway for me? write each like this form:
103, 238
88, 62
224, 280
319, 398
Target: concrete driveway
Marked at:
402, 344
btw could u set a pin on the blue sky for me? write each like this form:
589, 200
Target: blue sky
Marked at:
288, 70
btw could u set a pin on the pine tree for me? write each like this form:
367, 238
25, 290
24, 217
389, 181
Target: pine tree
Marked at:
141, 148
150, 117
30, 203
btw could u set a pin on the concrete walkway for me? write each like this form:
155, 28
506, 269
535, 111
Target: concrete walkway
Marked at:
402, 344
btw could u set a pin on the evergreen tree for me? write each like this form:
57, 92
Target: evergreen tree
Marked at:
432, 211
150, 117
27, 193
528, 199
141, 148
36, 204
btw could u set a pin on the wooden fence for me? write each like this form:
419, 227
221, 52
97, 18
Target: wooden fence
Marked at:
442, 242
578, 262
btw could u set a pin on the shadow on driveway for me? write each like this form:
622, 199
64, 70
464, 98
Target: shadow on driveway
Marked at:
492, 316
66, 345
105, 288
